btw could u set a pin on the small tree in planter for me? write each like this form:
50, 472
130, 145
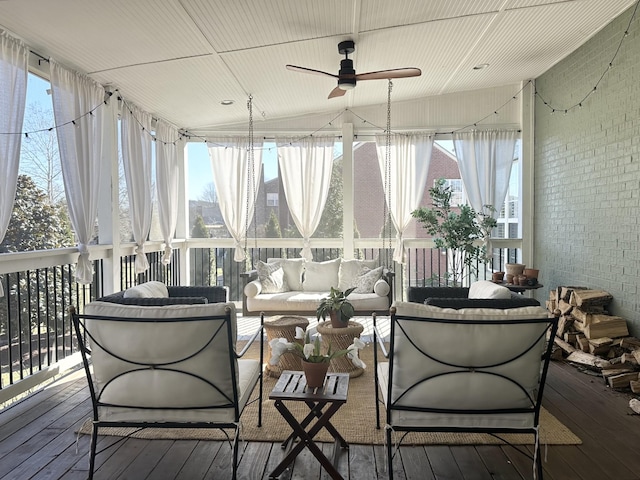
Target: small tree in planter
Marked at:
461, 232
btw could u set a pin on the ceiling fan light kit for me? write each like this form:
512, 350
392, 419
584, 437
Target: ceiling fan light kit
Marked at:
347, 76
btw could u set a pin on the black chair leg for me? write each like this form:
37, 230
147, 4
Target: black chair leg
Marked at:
389, 446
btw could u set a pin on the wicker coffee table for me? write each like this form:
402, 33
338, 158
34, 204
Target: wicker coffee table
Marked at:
284, 326
340, 339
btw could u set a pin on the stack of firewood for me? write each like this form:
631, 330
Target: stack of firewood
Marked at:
589, 336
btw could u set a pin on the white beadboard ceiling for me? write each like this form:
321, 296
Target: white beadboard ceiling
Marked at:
178, 59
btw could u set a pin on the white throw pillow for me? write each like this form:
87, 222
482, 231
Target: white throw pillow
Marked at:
350, 270
271, 277
365, 282
320, 276
151, 289
381, 288
293, 268
487, 289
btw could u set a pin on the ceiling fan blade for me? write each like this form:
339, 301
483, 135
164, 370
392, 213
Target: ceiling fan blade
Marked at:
295, 68
337, 92
393, 73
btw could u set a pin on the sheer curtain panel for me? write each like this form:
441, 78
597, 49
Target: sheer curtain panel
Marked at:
135, 133
167, 178
236, 182
14, 57
409, 159
485, 159
305, 166
80, 141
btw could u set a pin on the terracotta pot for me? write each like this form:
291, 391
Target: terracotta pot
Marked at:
522, 280
514, 269
509, 278
497, 276
336, 319
315, 373
531, 272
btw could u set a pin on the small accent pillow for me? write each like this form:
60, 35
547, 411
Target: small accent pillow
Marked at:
365, 282
320, 276
487, 289
350, 270
271, 277
293, 268
151, 289
381, 288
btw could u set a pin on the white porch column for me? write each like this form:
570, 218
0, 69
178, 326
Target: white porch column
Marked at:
527, 197
109, 203
182, 226
348, 191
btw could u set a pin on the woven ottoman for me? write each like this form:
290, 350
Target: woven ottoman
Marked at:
284, 326
340, 339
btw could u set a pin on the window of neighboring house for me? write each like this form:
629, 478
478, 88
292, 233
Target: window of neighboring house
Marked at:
457, 190
272, 199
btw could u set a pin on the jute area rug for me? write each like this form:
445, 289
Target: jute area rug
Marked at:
355, 421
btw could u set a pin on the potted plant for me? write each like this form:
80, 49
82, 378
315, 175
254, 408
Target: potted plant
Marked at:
315, 363
461, 230
337, 307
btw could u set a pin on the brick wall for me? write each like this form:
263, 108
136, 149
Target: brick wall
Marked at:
587, 171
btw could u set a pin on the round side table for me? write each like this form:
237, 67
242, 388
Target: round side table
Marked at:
284, 326
340, 339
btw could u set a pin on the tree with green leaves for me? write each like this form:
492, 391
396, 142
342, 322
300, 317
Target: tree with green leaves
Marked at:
461, 231
273, 226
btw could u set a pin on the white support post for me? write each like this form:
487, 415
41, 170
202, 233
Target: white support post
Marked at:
182, 226
527, 197
109, 204
348, 191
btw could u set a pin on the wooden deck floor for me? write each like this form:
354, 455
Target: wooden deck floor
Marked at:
37, 440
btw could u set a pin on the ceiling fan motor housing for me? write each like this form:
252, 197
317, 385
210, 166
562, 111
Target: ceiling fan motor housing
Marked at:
347, 74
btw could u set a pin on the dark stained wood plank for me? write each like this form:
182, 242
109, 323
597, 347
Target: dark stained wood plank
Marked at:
442, 463
362, 462
200, 460
341, 461
145, 463
380, 453
306, 466
415, 464
469, 462
123, 455
497, 463
253, 461
177, 455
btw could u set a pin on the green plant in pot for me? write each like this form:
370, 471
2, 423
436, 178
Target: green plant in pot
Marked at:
461, 230
337, 307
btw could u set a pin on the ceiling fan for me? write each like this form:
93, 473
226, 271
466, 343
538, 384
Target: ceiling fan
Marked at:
347, 76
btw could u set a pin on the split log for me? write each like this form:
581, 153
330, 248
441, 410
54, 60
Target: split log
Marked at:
564, 345
636, 355
565, 292
634, 404
628, 359
590, 298
564, 322
600, 346
630, 343
634, 385
583, 343
564, 307
583, 358
606, 326
570, 337
622, 380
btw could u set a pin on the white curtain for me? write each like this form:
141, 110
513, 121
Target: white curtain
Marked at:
305, 166
167, 178
80, 141
409, 159
13, 78
230, 162
485, 159
135, 132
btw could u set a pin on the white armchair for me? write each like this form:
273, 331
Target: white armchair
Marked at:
166, 366
469, 370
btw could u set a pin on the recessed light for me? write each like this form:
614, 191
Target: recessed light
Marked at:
226, 102
480, 66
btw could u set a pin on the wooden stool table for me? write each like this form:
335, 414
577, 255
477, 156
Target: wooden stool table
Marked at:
284, 326
292, 386
340, 339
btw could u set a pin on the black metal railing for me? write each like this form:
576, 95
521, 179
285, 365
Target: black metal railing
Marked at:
35, 325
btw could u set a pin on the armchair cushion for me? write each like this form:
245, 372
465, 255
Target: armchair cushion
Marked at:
320, 276
487, 289
151, 289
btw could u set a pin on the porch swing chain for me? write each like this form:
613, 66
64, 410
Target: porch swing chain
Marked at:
386, 234
251, 186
